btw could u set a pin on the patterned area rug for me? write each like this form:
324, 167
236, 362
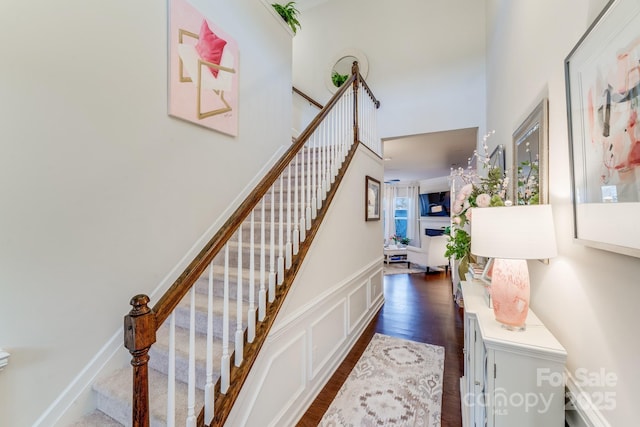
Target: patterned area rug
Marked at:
395, 382
400, 268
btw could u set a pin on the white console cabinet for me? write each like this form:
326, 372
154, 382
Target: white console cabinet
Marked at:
511, 378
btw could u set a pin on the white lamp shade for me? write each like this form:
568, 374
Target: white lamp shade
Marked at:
516, 232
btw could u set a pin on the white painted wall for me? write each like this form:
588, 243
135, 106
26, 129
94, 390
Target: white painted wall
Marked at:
587, 297
435, 184
336, 293
102, 193
426, 59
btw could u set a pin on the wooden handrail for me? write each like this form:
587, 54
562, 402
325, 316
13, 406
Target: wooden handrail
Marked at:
376, 102
170, 300
142, 322
224, 402
307, 97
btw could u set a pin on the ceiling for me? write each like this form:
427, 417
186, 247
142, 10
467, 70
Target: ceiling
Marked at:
428, 155
423, 156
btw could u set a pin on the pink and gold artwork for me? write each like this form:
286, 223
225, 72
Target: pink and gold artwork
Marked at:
613, 119
203, 70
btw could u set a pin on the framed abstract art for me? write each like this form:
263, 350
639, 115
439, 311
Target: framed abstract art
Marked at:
203, 70
603, 95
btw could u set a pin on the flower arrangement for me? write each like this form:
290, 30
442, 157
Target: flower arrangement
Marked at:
475, 191
402, 240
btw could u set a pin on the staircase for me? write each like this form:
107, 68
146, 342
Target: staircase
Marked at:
113, 393
193, 350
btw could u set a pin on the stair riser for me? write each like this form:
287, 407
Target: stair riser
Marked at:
233, 260
276, 214
183, 314
116, 409
202, 287
159, 360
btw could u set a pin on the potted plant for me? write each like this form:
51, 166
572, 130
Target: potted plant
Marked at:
289, 13
338, 79
403, 241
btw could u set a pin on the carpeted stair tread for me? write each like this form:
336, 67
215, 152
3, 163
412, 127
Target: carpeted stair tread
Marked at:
114, 397
183, 312
96, 419
159, 354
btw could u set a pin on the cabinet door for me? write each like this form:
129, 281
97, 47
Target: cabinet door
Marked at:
468, 399
524, 390
473, 403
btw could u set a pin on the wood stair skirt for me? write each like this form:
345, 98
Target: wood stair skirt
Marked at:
113, 392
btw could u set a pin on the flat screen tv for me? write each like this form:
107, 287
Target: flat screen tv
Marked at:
435, 204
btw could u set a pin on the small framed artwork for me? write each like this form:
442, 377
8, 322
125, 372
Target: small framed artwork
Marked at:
603, 104
372, 199
487, 272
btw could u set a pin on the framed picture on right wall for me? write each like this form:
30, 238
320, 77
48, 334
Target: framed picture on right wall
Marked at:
603, 104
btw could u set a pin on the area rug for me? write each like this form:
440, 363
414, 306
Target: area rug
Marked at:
399, 268
395, 382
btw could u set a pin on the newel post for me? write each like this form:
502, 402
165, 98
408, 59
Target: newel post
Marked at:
139, 335
355, 70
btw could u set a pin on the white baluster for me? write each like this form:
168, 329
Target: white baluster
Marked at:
224, 361
345, 126
312, 186
209, 395
319, 197
280, 275
171, 373
251, 313
304, 201
333, 142
296, 209
289, 245
272, 267
191, 393
239, 348
262, 295
325, 161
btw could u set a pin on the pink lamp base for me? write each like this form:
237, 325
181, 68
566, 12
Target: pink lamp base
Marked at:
510, 292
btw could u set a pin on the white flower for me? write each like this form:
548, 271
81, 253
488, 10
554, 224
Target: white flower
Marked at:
466, 190
457, 208
483, 200
456, 220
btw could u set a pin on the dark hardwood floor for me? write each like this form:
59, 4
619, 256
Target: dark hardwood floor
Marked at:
417, 307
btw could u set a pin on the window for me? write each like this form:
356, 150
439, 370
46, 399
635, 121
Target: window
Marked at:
401, 215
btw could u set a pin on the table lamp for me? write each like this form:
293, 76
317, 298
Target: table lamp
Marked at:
511, 236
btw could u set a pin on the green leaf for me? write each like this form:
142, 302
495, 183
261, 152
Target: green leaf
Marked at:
289, 13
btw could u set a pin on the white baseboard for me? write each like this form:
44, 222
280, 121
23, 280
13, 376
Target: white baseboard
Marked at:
76, 399
581, 410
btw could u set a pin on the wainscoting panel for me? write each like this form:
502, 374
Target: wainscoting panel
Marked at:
375, 287
283, 381
358, 305
327, 334
304, 350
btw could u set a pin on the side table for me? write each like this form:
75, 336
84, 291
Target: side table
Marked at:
395, 255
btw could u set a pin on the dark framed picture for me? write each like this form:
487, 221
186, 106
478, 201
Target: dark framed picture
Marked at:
372, 199
603, 95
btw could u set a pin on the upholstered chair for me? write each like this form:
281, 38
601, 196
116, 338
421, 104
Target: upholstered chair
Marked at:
430, 253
